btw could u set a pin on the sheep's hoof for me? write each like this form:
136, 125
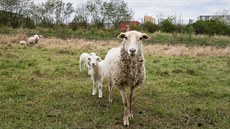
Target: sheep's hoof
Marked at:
100, 96
110, 100
126, 122
131, 116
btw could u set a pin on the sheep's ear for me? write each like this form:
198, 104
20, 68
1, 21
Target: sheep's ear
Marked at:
145, 36
121, 35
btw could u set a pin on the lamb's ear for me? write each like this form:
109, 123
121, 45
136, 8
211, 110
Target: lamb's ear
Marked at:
121, 35
145, 36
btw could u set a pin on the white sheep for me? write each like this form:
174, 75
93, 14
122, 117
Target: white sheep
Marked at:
22, 42
83, 62
96, 74
34, 39
125, 68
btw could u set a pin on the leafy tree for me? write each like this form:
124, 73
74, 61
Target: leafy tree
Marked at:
112, 11
15, 12
150, 27
52, 12
167, 25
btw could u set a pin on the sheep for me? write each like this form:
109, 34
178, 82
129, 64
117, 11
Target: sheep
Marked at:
22, 42
124, 67
83, 62
96, 73
34, 39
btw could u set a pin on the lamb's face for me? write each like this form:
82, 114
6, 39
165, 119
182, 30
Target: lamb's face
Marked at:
133, 41
93, 60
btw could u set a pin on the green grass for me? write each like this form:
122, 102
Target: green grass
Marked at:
43, 88
187, 39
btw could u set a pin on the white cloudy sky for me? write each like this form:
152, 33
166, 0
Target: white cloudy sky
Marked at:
187, 9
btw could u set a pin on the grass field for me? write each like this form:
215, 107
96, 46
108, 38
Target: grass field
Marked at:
43, 88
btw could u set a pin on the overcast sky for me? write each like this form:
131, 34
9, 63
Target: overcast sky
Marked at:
186, 9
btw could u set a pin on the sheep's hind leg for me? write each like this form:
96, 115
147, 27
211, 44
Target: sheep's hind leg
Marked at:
130, 103
125, 104
80, 65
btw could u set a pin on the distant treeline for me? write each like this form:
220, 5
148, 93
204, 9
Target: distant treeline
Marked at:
57, 16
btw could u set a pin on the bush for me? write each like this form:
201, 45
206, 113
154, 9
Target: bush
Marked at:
150, 27
167, 25
211, 27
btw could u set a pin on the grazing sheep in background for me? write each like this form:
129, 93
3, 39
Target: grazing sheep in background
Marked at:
83, 62
22, 42
96, 74
125, 68
34, 39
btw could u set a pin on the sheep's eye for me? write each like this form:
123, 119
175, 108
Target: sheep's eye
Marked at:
126, 37
140, 38
98, 59
89, 59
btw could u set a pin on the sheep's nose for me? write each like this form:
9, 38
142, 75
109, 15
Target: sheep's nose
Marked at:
93, 64
132, 50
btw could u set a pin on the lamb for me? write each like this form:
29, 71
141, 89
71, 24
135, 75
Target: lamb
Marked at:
34, 39
124, 67
83, 62
96, 74
22, 42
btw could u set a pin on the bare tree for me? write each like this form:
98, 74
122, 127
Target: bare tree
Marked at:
222, 12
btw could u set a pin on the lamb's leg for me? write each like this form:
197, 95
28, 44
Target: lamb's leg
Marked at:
100, 89
110, 91
89, 70
130, 102
94, 87
125, 104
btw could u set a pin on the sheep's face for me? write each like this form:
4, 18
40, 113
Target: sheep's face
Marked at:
133, 41
37, 37
93, 60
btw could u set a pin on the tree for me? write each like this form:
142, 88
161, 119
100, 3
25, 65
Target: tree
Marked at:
53, 12
96, 9
15, 12
112, 11
117, 10
167, 25
150, 27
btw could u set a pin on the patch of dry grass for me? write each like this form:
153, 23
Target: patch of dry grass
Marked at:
84, 44
181, 50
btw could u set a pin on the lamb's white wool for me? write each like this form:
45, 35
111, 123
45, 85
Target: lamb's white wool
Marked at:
124, 67
96, 74
34, 39
84, 62
22, 42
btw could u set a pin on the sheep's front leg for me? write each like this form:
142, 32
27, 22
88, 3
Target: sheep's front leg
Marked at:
100, 89
94, 87
125, 104
130, 102
110, 91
